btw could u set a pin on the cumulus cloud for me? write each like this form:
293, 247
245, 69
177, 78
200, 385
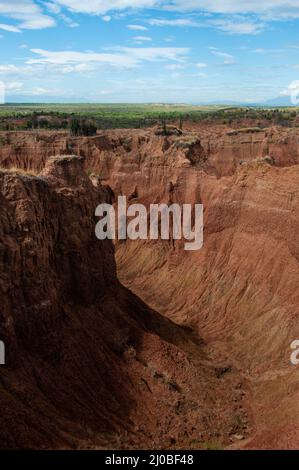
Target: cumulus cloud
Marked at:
27, 13
100, 7
11, 69
234, 16
268, 8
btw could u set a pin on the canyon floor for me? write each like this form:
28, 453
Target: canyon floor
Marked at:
142, 344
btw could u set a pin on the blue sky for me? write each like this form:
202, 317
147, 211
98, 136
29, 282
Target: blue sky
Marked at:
192, 51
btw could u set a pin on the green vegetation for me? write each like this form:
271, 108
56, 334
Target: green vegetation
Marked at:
112, 116
82, 127
104, 116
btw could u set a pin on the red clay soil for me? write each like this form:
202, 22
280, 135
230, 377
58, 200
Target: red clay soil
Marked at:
212, 368
89, 365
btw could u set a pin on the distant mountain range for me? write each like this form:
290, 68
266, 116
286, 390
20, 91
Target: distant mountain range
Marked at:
279, 101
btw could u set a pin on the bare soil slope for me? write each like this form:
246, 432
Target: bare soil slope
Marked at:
89, 365
238, 296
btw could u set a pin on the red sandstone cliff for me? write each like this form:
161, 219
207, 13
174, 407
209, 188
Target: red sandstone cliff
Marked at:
239, 293
89, 365
215, 149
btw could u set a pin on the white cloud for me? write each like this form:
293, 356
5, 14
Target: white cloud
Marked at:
174, 66
100, 7
259, 50
14, 86
137, 27
156, 53
6, 69
123, 57
52, 7
68, 21
201, 65
179, 22
228, 59
18, 89
30, 14
268, 8
238, 26
13, 71
73, 57
142, 38
10, 28
38, 91
44, 70
35, 22
27, 13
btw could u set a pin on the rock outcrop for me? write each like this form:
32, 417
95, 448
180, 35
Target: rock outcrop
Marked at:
215, 149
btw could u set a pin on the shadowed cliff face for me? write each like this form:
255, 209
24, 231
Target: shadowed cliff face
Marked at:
89, 365
239, 293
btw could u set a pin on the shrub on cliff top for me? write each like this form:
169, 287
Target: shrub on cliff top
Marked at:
81, 127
